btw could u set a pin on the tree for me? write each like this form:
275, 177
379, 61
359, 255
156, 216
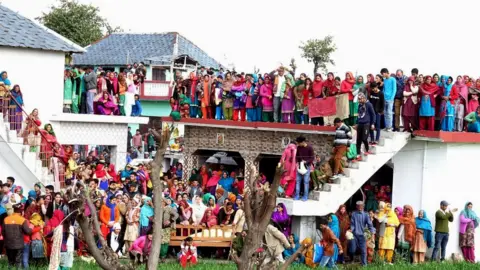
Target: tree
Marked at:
80, 23
318, 52
110, 29
293, 66
258, 207
79, 199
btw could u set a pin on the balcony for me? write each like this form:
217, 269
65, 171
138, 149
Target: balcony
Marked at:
155, 90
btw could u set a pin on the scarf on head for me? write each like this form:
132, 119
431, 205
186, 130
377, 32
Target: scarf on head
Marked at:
334, 225
278, 217
36, 220
51, 132
350, 81
358, 84
429, 89
112, 208
56, 219
462, 89
400, 212
409, 225
299, 82
6, 81
317, 87
145, 212
470, 214
425, 225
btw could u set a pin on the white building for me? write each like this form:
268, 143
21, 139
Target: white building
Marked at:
34, 58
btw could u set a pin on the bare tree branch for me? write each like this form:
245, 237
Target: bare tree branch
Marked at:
162, 137
293, 257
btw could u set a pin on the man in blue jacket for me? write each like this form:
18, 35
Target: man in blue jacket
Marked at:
366, 122
389, 91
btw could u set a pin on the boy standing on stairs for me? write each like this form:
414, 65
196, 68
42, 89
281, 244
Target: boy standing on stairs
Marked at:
343, 137
305, 157
366, 122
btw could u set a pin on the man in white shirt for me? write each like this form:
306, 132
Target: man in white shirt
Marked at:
278, 92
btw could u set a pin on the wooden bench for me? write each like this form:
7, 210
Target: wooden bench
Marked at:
216, 236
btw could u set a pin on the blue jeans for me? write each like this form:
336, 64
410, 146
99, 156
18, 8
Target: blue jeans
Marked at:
441, 240
388, 113
277, 109
328, 262
218, 112
377, 129
359, 242
306, 183
90, 97
26, 255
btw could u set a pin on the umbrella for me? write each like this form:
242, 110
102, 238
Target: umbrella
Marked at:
221, 158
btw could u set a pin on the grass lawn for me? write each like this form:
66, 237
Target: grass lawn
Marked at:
215, 265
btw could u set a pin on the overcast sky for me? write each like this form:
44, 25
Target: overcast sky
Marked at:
434, 36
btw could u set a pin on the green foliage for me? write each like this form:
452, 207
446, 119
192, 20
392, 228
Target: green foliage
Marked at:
80, 23
318, 52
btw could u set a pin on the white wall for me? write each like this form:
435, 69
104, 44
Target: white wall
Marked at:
428, 172
40, 76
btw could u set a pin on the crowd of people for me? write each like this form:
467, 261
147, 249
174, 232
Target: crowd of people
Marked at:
420, 102
89, 91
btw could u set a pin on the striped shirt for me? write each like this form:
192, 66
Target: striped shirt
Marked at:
343, 136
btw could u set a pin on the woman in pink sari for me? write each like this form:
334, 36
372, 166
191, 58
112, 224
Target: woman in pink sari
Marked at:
266, 92
106, 106
289, 169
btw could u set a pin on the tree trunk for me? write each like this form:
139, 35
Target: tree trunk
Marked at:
162, 138
315, 68
258, 206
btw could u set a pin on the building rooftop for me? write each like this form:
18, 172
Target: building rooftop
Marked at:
447, 137
124, 48
261, 126
18, 31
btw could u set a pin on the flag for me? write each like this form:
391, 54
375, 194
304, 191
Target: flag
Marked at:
319, 107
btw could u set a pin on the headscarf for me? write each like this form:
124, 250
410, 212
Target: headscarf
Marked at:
99, 171
334, 225
431, 88
36, 220
56, 219
112, 206
193, 175
425, 225
51, 132
278, 217
409, 224
6, 81
288, 252
350, 81
462, 88
358, 84
317, 86
145, 212
32, 195
470, 214
206, 197
400, 212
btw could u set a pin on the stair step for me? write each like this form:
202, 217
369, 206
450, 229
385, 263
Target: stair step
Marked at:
353, 165
372, 149
314, 195
387, 134
381, 142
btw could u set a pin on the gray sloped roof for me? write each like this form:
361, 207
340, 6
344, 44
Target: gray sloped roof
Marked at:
18, 31
124, 48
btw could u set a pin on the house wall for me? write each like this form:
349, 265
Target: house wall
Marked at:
153, 108
428, 172
40, 76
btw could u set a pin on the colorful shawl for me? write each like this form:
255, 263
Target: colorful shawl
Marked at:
425, 225
470, 214
278, 217
409, 227
146, 212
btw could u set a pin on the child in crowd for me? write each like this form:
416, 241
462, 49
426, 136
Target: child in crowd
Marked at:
188, 253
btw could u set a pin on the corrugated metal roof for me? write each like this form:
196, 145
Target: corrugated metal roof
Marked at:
18, 31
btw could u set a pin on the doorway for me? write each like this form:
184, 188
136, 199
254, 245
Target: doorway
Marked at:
268, 165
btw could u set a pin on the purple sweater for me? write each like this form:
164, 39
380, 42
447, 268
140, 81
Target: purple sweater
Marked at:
463, 223
305, 153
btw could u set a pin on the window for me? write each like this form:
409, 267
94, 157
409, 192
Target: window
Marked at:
159, 74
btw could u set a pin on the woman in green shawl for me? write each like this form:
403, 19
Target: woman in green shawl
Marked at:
195, 176
298, 92
67, 91
358, 87
209, 200
76, 90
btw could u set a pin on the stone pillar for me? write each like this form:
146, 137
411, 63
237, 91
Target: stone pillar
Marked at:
250, 158
190, 162
118, 156
304, 226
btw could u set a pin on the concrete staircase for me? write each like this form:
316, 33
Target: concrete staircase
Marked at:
323, 202
25, 165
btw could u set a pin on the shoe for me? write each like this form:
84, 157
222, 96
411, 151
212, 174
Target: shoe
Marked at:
368, 153
374, 143
359, 158
296, 198
304, 199
335, 176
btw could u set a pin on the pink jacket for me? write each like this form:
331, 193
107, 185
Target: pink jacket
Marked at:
463, 223
139, 244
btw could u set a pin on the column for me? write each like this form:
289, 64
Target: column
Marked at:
305, 226
250, 158
190, 162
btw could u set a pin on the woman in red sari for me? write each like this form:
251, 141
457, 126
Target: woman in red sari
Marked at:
329, 90
50, 226
344, 221
204, 176
48, 141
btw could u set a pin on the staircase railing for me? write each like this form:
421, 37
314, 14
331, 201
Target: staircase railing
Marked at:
46, 151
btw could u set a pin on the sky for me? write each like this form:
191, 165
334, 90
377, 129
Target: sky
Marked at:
433, 36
